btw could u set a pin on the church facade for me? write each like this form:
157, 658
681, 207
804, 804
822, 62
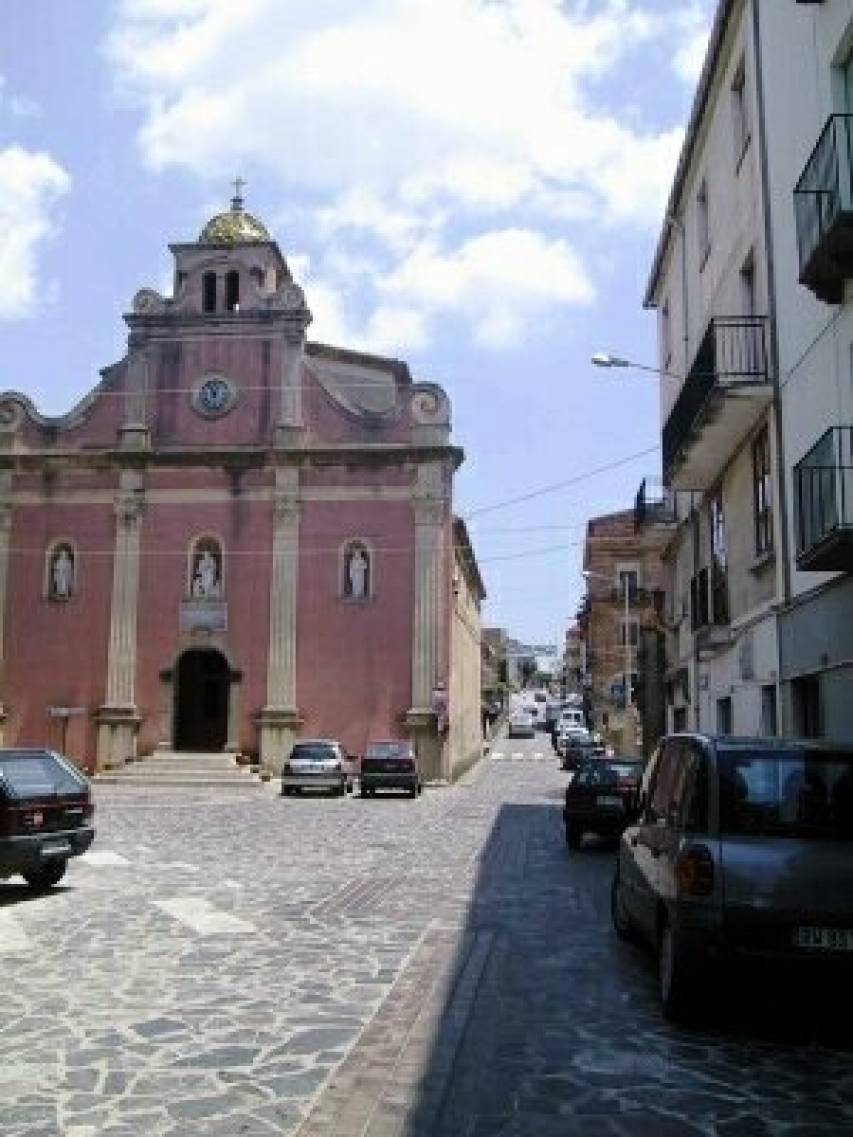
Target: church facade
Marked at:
237, 538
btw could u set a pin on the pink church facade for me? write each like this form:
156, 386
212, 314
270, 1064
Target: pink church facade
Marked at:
239, 537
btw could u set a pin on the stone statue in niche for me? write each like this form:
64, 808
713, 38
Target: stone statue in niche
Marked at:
357, 574
62, 574
206, 584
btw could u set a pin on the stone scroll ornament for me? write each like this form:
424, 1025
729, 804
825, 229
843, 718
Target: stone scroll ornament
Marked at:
430, 405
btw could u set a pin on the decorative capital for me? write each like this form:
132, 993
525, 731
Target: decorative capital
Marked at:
129, 506
285, 509
430, 511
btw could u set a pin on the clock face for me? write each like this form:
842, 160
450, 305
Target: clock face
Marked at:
214, 396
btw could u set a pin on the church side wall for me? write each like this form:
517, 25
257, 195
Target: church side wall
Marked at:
56, 650
354, 660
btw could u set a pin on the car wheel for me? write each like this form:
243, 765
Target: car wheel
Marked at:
573, 836
674, 980
46, 876
623, 925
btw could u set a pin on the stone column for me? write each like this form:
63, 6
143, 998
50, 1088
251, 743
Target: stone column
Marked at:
118, 719
134, 430
289, 427
279, 720
430, 516
5, 535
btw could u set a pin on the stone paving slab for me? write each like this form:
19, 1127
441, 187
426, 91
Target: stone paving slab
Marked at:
238, 967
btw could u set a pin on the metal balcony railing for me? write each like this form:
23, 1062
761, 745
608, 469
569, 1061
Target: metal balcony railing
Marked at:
823, 208
733, 354
823, 496
654, 505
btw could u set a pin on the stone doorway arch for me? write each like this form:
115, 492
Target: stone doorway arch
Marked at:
202, 697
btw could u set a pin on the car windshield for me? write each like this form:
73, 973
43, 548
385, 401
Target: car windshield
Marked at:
313, 752
387, 750
787, 793
32, 774
604, 773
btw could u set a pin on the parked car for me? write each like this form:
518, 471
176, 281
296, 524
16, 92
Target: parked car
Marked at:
569, 718
577, 745
570, 736
315, 764
521, 725
46, 815
740, 849
600, 797
390, 765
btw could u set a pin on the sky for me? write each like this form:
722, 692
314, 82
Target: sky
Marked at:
475, 186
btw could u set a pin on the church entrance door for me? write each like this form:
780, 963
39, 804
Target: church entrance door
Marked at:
201, 701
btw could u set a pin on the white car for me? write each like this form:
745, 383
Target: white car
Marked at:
521, 725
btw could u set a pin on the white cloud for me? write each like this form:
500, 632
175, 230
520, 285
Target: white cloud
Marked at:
694, 26
30, 185
424, 128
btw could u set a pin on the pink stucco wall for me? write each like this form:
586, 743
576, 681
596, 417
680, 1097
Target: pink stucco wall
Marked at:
56, 651
354, 659
245, 530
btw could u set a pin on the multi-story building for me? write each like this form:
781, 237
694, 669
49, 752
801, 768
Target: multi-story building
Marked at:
623, 604
755, 327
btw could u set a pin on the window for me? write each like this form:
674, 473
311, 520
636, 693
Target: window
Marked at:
719, 560
703, 231
632, 628
699, 609
232, 291
666, 784
356, 571
208, 292
679, 719
666, 334
769, 720
740, 113
632, 577
60, 580
761, 496
806, 697
724, 715
748, 304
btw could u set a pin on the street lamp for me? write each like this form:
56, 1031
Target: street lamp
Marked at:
588, 574
607, 360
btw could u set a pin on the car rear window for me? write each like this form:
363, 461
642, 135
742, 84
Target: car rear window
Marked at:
314, 752
387, 750
31, 775
787, 793
601, 773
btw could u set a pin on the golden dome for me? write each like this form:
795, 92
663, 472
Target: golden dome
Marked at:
236, 227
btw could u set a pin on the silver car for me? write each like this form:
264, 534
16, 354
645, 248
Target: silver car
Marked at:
739, 848
315, 764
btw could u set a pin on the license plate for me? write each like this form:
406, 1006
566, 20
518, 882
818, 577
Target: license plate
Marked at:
825, 939
609, 799
37, 817
55, 848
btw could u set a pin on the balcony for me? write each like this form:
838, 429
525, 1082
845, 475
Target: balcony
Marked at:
654, 505
823, 499
823, 208
721, 400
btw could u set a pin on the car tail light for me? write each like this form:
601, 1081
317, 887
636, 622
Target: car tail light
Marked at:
285, 768
694, 871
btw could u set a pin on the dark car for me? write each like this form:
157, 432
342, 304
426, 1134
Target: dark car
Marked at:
45, 815
315, 764
575, 746
600, 797
390, 765
741, 849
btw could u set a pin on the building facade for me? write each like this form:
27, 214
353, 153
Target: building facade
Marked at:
623, 606
238, 537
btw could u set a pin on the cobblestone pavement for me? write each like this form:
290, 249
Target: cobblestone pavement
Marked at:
238, 967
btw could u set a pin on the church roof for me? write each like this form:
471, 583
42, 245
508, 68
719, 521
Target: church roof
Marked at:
236, 227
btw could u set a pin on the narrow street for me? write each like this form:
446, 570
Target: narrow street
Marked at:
238, 966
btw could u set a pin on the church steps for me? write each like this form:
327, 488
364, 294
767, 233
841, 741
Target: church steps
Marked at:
169, 768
